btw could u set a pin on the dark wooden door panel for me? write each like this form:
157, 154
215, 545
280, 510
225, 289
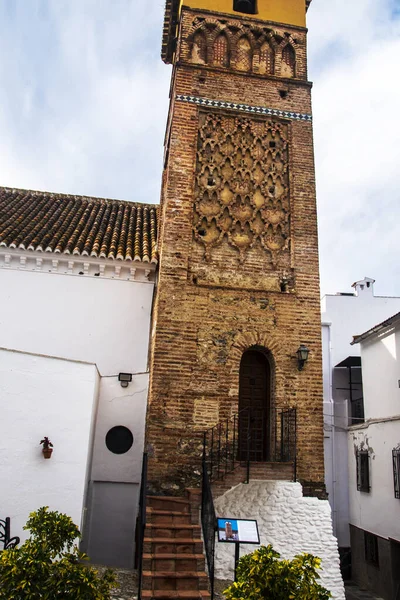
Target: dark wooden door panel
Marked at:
254, 406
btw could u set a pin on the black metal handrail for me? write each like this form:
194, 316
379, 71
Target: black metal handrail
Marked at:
250, 436
5, 534
141, 525
209, 524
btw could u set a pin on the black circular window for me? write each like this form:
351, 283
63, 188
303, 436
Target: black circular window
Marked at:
119, 439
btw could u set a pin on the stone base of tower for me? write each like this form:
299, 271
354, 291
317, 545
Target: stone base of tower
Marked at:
290, 522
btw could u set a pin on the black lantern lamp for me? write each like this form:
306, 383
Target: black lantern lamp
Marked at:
302, 356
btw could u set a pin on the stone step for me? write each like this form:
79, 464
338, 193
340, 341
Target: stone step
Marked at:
173, 553
173, 562
171, 580
176, 594
154, 515
172, 545
168, 503
172, 530
266, 471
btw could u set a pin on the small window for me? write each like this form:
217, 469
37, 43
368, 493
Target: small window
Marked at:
396, 472
245, 6
119, 439
371, 548
363, 479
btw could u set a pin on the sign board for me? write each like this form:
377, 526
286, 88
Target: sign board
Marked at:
240, 531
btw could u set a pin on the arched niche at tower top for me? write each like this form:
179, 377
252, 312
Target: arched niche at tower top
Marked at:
288, 67
267, 59
221, 51
199, 48
244, 54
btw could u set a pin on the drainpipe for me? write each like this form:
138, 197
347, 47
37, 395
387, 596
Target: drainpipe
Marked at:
333, 431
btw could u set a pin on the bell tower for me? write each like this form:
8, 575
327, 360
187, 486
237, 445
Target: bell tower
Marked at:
238, 287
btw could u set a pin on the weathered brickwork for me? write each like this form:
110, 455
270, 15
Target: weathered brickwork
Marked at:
216, 300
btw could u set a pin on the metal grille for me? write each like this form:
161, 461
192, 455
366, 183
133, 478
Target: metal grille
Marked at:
363, 478
396, 472
220, 51
209, 525
244, 439
266, 58
289, 56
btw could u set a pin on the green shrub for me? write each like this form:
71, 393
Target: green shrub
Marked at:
48, 565
261, 575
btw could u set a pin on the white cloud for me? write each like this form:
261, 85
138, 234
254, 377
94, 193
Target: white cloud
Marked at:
85, 98
356, 98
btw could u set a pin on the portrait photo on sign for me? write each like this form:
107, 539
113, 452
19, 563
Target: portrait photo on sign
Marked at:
228, 530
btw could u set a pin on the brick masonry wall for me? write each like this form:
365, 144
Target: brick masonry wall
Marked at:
201, 327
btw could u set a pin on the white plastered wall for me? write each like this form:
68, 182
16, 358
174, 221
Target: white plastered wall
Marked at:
377, 511
43, 396
102, 321
344, 316
120, 406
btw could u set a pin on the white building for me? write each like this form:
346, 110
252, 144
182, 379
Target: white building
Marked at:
345, 315
374, 464
76, 278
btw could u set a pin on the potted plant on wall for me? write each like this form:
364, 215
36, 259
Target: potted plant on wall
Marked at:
47, 447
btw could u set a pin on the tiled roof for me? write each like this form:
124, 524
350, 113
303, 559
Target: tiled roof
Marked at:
78, 225
376, 329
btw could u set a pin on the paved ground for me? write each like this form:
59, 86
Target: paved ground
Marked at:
353, 592
127, 588
127, 584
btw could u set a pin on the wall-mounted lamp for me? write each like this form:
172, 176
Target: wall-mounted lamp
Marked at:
125, 379
302, 356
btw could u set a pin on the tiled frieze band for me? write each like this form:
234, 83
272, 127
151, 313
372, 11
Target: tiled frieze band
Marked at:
245, 108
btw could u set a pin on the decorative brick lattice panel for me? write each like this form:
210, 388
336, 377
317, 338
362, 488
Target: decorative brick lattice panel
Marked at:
242, 191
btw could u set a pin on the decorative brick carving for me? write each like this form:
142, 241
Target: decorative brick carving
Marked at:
242, 47
242, 191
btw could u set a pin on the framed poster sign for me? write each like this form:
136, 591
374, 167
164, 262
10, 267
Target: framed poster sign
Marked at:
242, 531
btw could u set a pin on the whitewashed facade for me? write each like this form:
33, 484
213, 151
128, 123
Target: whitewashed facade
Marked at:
68, 326
343, 316
375, 494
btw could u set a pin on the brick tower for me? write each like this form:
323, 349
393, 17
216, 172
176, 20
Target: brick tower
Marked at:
238, 288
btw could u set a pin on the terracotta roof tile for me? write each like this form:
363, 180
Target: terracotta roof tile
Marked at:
78, 225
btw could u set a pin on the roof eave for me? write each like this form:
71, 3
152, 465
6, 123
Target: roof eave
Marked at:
168, 36
363, 336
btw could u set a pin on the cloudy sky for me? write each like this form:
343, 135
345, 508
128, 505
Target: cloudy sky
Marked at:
84, 98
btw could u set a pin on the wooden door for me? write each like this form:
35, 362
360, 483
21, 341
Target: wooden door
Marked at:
254, 406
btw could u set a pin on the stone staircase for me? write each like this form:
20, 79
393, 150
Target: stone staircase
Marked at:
173, 559
267, 471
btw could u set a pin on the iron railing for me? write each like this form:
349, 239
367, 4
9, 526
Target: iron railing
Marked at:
141, 525
5, 535
209, 524
250, 436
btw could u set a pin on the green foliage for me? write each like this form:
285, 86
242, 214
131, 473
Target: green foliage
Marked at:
48, 565
261, 575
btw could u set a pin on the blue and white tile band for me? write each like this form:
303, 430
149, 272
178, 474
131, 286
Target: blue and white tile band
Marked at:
246, 108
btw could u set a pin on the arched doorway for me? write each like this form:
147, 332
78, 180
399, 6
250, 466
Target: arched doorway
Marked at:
254, 406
